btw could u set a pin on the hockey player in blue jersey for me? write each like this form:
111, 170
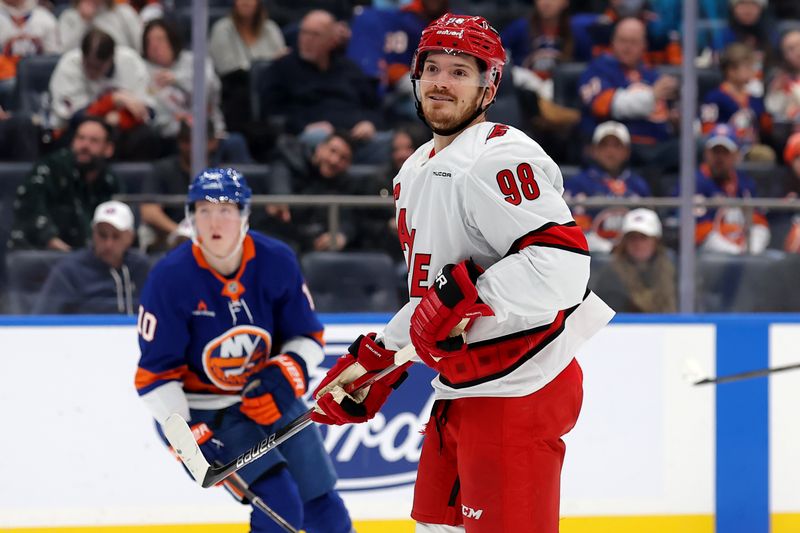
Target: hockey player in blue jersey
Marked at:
228, 337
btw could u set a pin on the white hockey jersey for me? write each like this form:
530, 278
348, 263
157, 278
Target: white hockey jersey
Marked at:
71, 90
494, 196
27, 30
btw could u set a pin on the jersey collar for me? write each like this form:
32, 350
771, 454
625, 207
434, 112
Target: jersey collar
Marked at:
231, 287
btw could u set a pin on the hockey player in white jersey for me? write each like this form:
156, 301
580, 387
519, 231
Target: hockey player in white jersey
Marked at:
487, 237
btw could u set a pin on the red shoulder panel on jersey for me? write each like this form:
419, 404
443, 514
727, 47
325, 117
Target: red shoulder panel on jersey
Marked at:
567, 237
497, 131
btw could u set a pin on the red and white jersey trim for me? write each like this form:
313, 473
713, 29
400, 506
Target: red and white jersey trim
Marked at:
546, 361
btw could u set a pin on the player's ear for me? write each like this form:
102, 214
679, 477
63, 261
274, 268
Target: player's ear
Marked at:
489, 93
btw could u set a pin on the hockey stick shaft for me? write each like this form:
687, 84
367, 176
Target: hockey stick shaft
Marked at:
216, 474
258, 503
750, 374
180, 435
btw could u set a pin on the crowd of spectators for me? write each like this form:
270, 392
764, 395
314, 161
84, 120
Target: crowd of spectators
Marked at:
320, 94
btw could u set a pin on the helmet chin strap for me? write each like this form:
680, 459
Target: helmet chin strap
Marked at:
446, 132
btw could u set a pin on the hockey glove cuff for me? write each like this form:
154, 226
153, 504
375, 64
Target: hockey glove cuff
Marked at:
452, 297
269, 392
365, 357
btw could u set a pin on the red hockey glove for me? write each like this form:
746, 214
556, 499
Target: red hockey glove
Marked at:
452, 297
365, 358
270, 391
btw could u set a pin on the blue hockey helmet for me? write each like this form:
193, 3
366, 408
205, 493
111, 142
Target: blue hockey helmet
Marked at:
219, 185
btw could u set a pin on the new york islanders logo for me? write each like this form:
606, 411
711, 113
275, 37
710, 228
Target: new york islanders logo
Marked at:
229, 359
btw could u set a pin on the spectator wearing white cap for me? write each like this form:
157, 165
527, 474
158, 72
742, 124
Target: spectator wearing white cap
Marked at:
105, 278
723, 229
607, 175
641, 275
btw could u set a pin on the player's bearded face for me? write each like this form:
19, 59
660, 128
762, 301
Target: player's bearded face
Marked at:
218, 226
451, 89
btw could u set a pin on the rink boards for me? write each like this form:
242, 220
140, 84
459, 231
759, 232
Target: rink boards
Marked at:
651, 453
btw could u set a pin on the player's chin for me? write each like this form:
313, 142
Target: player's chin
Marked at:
443, 121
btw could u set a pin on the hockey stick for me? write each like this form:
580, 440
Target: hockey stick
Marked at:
257, 502
180, 435
750, 374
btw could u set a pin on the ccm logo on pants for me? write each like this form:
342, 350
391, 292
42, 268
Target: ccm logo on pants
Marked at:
469, 512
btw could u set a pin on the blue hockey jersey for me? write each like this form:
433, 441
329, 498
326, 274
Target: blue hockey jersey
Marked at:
211, 332
383, 42
744, 113
600, 81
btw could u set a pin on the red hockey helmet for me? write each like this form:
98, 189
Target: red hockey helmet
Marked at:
464, 34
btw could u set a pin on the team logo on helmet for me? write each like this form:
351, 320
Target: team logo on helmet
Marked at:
232, 357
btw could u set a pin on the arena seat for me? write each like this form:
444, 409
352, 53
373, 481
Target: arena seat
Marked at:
747, 283
767, 176
132, 174
11, 176
566, 77
707, 78
506, 108
351, 281
569, 171
786, 279
33, 81
258, 78
599, 262
27, 272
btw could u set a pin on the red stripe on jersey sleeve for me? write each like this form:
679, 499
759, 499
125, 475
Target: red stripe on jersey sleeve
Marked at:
567, 237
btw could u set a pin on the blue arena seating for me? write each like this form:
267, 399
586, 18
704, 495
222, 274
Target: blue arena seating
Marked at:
27, 272
351, 281
33, 80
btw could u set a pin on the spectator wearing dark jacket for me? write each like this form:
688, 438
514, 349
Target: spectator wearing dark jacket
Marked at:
320, 91
55, 203
105, 278
301, 170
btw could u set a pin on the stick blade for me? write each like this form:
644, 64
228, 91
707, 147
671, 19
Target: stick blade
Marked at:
182, 441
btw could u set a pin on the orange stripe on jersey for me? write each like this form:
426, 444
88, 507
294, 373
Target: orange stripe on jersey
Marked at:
231, 287
601, 107
701, 231
145, 378
567, 237
318, 336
